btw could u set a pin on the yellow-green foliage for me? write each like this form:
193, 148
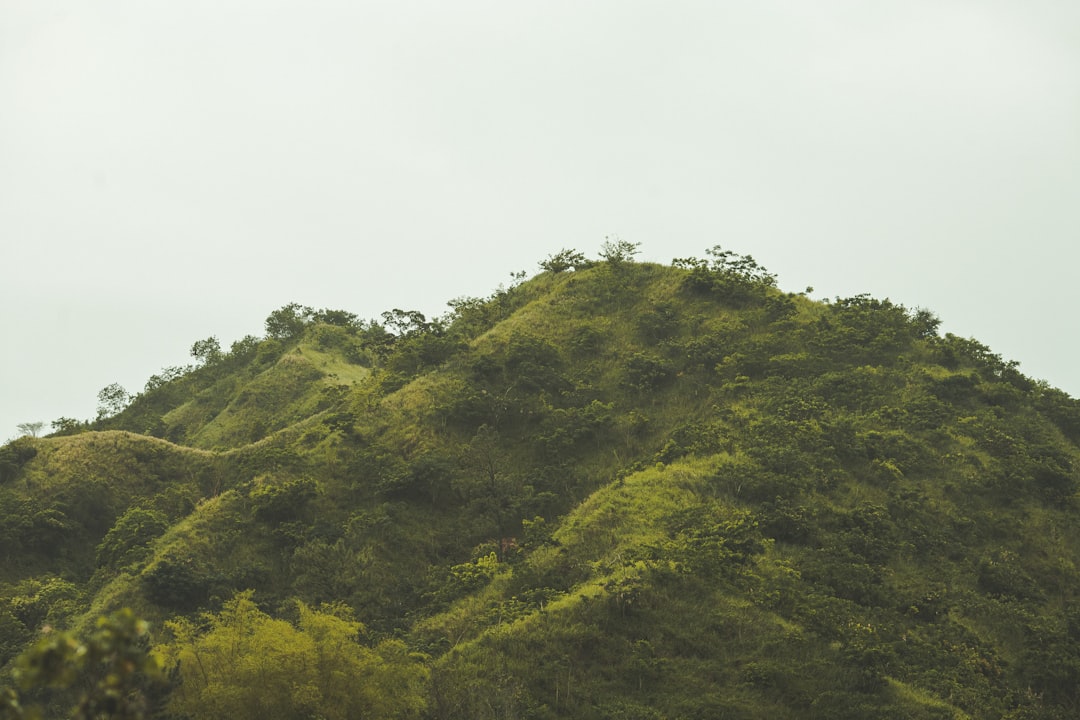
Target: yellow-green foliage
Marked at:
249, 665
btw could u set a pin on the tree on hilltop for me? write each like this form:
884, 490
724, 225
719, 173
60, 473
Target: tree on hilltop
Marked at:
30, 428
564, 260
207, 351
112, 399
618, 252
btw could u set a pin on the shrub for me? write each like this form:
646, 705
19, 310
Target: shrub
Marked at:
281, 501
126, 542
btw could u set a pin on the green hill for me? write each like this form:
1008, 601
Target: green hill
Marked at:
615, 490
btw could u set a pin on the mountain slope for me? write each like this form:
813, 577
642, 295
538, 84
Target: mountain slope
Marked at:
615, 490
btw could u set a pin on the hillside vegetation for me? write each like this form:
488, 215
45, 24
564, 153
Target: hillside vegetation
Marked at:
614, 490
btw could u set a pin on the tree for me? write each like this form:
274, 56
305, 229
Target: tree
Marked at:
66, 426
206, 351
487, 484
645, 372
30, 428
244, 349
406, 322
618, 252
127, 540
288, 321
112, 399
341, 318
564, 260
925, 323
741, 267
728, 275
280, 501
111, 668
249, 665
14, 455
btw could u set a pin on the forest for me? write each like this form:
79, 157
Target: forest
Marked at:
616, 489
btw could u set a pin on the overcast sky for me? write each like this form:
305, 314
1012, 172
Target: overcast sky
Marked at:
174, 170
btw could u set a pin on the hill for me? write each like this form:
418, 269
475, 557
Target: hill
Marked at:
614, 490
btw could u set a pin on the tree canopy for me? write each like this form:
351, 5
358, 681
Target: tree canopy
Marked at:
249, 665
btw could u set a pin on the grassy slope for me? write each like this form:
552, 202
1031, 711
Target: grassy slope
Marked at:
76, 487
290, 390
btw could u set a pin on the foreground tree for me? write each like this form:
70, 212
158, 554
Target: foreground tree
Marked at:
249, 665
108, 673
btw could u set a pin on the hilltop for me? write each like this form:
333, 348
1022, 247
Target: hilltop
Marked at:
613, 490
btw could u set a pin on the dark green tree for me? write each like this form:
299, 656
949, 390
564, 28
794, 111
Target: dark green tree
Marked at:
112, 399
405, 322
289, 321
340, 318
207, 351
126, 541
489, 484
14, 456
564, 260
66, 426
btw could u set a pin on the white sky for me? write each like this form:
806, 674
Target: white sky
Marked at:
173, 170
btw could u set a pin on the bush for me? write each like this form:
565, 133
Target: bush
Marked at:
644, 373
14, 456
127, 540
1003, 575
278, 502
174, 582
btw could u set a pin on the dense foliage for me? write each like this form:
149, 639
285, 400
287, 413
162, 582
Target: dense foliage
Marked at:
616, 490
